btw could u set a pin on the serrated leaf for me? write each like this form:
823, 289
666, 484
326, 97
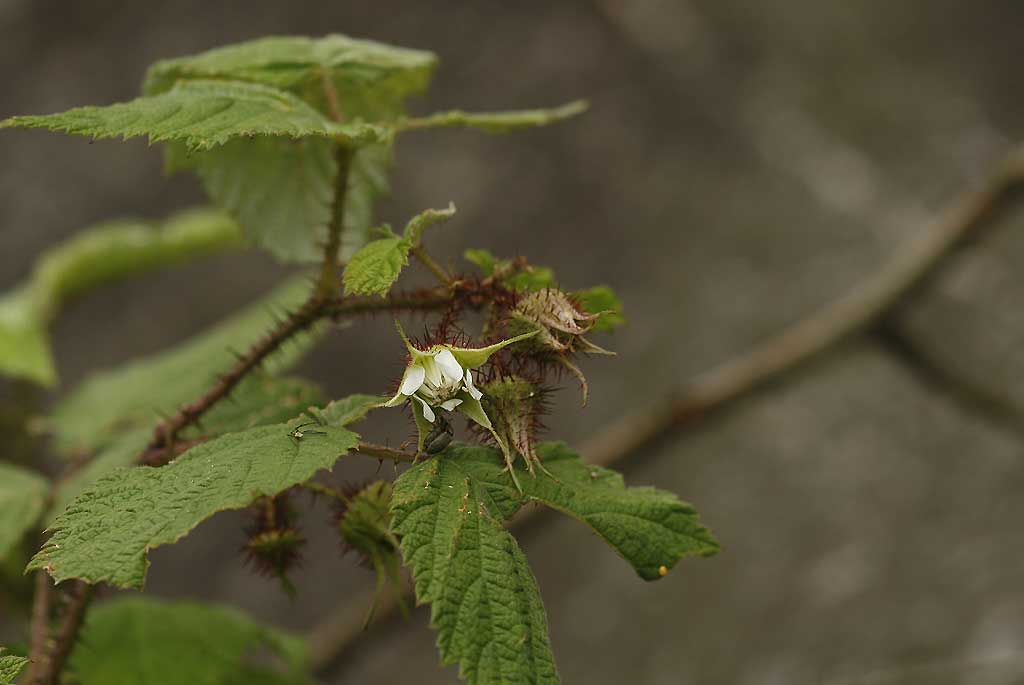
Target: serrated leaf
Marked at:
496, 122
203, 115
10, 667
280, 190
144, 641
259, 400
22, 500
485, 603
137, 393
602, 300
348, 410
97, 255
101, 536
121, 452
375, 268
371, 78
649, 528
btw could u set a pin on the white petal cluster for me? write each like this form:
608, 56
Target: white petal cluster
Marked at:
435, 380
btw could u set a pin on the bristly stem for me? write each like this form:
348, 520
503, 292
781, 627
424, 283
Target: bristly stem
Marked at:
382, 452
42, 602
328, 284
47, 670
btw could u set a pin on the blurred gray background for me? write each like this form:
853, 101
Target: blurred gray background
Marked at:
742, 164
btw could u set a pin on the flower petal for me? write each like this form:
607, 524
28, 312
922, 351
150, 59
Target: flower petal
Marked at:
428, 413
471, 388
433, 371
448, 405
449, 365
414, 374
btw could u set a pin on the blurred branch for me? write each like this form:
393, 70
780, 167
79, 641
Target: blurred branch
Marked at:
857, 310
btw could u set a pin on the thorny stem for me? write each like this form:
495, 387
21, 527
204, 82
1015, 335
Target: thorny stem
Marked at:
857, 310
42, 601
382, 452
328, 283
47, 671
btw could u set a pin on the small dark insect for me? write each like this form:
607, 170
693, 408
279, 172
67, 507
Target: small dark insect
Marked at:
439, 437
297, 433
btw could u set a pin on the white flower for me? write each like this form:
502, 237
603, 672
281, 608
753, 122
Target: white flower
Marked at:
441, 379
436, 381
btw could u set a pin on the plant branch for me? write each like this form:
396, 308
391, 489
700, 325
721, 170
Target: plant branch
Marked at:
328, 284
166, 432
443, 277
858, 309
48, 669
383, 452
42, 601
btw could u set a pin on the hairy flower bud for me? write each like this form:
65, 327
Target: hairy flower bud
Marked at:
515, 406
364, 523
274, 545
559, 324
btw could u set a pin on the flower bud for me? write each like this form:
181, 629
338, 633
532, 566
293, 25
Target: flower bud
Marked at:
515, 406
274, 545
364, 523
559, 324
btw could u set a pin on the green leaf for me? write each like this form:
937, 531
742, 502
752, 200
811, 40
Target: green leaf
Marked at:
22, 500
424, 220
602, 300
367, 183
348, 410
24, 343
122, 451
144, 641
375, 268
496, 122
371, 79
203, 115
485, 603
10, 667
137, 393
101, 536
259, 400
532, 279
280, 190
649, 528
483, 259
284, 211
529, 278
97, 255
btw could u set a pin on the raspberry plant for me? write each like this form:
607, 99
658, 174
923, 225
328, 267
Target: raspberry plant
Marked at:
292, 140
